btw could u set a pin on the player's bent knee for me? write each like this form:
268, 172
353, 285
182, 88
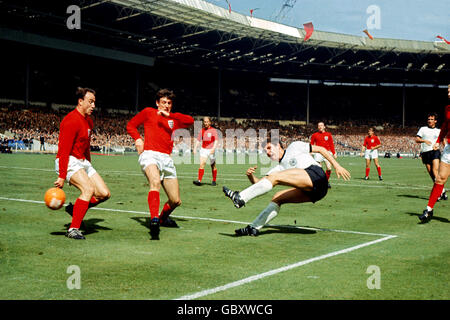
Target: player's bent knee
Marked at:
104, 195
175, 203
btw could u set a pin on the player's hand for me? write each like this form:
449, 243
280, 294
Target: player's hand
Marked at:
361, 154
139, 145
436, 146
163, 113
428, 142
251, 170
342, 173
59, 183
335, 156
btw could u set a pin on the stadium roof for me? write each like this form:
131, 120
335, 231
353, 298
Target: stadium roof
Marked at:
198, 33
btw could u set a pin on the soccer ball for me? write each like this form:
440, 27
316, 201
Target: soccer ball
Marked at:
54, 198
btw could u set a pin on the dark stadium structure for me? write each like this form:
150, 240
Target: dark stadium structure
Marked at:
219, 63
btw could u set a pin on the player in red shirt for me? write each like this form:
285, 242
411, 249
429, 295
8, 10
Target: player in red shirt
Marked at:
369, 150
209, 140
73, 161
444, 166
324, 139
154, 156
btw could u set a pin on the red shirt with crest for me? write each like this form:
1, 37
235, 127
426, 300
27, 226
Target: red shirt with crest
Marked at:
157, 128
74, 139
371, 141
207, 137
323, 139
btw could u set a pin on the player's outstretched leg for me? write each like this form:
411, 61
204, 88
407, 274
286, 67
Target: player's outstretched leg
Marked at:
234, 196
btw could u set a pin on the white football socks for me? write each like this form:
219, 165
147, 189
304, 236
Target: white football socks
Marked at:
261, 187
268, 214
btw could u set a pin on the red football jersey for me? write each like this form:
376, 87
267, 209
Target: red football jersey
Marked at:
370, 142
157, 128
207, 137
323, 139
74, 139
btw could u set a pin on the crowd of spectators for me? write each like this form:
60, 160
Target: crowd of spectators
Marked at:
42, 124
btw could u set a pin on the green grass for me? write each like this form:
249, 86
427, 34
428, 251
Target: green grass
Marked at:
119, 261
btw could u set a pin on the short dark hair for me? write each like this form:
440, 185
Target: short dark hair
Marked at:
165, 93
81, 92
433, 114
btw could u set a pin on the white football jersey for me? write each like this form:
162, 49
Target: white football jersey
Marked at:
297, 155
430, 134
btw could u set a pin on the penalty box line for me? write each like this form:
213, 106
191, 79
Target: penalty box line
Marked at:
219, 220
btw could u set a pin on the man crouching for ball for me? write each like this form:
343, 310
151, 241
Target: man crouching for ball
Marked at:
73, 161
297, 169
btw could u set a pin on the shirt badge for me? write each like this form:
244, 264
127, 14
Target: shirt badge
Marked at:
170, 123
326, 138
293, 162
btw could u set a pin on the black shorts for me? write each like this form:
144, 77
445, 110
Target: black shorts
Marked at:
320, 183
429, 156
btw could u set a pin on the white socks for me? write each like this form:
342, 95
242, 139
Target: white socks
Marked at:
261, 187
268, 214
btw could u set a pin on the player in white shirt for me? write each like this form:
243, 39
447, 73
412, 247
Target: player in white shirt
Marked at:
297, 169
427, 137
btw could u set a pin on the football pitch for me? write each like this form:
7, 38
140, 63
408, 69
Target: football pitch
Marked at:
362, 241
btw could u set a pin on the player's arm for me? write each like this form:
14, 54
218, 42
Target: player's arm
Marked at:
213, 149
333, 150
132, 129
251, 176
444, 130
183, 120
67, 136
363, 148
378, 145
340, 171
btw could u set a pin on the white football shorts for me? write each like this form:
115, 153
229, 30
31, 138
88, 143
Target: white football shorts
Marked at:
75, 165
205, 153
319, 157
163, 161
446, 154
371, 154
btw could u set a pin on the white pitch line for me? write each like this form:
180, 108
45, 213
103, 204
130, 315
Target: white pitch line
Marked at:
261, 275
216, 220
279, 270
383, 184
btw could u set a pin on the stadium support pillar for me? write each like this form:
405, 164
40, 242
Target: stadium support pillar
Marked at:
219, 93
136, 105
27, 82
307, 102
403, 105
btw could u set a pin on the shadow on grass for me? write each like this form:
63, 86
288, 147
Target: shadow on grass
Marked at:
277, 229
444, 220
145, 221
411, 196
88, 226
